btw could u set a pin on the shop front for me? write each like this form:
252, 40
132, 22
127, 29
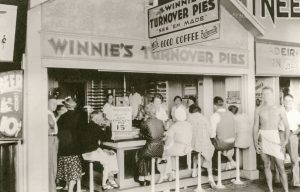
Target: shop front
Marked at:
96, 51
277, 66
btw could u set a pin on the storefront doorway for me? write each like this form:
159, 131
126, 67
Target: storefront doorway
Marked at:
91, 87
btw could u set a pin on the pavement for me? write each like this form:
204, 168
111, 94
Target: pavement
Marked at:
259, 185
248, 186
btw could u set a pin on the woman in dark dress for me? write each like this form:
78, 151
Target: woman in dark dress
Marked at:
69, 163
152, 130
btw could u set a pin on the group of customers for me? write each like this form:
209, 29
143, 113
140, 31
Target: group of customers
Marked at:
189, 130
72, 139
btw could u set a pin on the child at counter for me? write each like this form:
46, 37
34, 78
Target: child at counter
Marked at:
95, 133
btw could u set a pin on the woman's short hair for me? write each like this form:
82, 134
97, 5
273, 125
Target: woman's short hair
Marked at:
159, 96
108, 95
218, 101
193, 99
234, 109
194, 109
177, 97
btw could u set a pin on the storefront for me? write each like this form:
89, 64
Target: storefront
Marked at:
84, 46
12, 47
277, 66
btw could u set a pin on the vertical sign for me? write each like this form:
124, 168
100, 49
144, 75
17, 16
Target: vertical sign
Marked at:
11, 104
8, 16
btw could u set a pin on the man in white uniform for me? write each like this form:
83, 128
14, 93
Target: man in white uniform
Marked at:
135, 101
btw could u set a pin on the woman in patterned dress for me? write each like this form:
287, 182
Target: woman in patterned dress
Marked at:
69, 164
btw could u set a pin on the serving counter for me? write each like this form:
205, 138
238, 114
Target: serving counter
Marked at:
126, 151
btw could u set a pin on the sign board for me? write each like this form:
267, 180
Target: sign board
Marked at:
8, 16
272, 59
186, 37
58, 46
181, 14
11, 104
121, 119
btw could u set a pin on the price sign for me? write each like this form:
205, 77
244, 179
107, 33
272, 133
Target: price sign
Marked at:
121, 119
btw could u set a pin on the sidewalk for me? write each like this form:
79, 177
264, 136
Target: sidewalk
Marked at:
248, 186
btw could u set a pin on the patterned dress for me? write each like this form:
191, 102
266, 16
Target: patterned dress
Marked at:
69, 163
69, 168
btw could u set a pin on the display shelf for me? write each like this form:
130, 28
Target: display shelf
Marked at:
154, 87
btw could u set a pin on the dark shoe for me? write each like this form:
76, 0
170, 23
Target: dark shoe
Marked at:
147, 182
142, 183
163, 161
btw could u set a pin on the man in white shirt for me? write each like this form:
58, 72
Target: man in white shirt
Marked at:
135, 101
293, 117
108, 107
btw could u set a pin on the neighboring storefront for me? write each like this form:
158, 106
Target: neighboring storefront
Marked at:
86, 45
13, 18
278, 66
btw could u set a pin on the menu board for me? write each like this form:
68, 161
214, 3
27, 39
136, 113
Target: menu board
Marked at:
121, 119
11, 104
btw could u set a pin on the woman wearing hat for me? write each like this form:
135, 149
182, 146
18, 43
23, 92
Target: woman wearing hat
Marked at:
69, 164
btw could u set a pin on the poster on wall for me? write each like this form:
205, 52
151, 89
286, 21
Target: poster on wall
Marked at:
260, 83
11, 104
8, 16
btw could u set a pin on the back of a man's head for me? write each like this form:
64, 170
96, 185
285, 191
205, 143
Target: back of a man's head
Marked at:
218, 101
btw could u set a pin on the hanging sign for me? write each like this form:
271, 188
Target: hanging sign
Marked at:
186, 37
181, 14
11, 104
8, 15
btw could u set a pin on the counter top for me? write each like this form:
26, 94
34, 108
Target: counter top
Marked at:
125, 144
